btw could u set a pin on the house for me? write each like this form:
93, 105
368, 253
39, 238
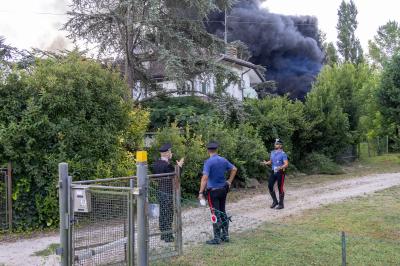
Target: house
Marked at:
203, 85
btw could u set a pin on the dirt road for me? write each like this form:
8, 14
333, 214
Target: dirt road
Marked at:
246, 213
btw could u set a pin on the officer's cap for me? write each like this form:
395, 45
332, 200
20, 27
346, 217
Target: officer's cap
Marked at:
278, 142
165, 147
212, 145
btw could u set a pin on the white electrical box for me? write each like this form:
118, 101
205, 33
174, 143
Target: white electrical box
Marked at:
81, 199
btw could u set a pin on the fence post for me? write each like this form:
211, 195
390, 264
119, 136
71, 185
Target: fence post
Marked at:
142, 219
64, 210
9, 196
178, 212
379, 146
369, 151
344, 249
387, 144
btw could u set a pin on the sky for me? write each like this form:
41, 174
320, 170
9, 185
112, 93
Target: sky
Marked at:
37, 23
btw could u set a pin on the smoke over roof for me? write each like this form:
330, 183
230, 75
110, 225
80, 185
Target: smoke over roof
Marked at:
288, 46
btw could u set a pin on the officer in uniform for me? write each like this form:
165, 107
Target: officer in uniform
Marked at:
279, 161
215, 187
165, 191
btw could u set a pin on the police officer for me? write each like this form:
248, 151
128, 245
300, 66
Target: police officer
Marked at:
279, 161
215, 187
165, 192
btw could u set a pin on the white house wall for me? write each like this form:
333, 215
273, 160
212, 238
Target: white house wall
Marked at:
249, 77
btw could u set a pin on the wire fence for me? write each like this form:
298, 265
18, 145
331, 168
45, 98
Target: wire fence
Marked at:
100, 235
375, 147
102, 220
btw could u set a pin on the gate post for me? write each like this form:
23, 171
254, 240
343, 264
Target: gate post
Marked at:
178, 211
64, 187
142, 218
9, 196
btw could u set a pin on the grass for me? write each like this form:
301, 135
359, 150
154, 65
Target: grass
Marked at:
50, 250
371, 224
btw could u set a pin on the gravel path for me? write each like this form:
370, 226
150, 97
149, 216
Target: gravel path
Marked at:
246, 213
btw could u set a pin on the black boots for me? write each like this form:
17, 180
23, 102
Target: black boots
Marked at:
225, 230
167, 237
281, 198
217, 235
274, 200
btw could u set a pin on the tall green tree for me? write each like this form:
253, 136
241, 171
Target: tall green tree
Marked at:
140, 31
385, 44
389, 91
348, 44
331, 54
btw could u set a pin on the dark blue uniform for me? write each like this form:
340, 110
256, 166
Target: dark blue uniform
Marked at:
165, 198
278, 158
217, 189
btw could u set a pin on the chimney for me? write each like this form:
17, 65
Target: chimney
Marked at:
231, 51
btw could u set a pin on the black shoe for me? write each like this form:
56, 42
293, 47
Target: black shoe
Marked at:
280, 205
217, 235
167, 238
225, 239
215, 241
225, 228
274, 199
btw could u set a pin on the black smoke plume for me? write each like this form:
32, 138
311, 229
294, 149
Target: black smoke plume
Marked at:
288, 46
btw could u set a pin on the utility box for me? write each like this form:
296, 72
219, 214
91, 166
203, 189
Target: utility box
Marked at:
81, 199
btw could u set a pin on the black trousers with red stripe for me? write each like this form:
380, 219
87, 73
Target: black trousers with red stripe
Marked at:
217, 200
277, 177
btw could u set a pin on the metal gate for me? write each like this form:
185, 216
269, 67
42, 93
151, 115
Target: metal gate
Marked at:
102, 222
5, 199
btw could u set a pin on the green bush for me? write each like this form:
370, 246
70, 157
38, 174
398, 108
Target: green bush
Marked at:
242, 145
182, 110
184, 144
61, 110
316, 163
279, 117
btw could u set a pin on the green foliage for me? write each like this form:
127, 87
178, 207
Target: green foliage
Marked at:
329, 129
348, 44
317, 163
182, 110
172, 30
278, 117
331, 57
71, 110
241, 145
172, 135
250, 152
184, 145
386, 43
389, 90
333, 107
